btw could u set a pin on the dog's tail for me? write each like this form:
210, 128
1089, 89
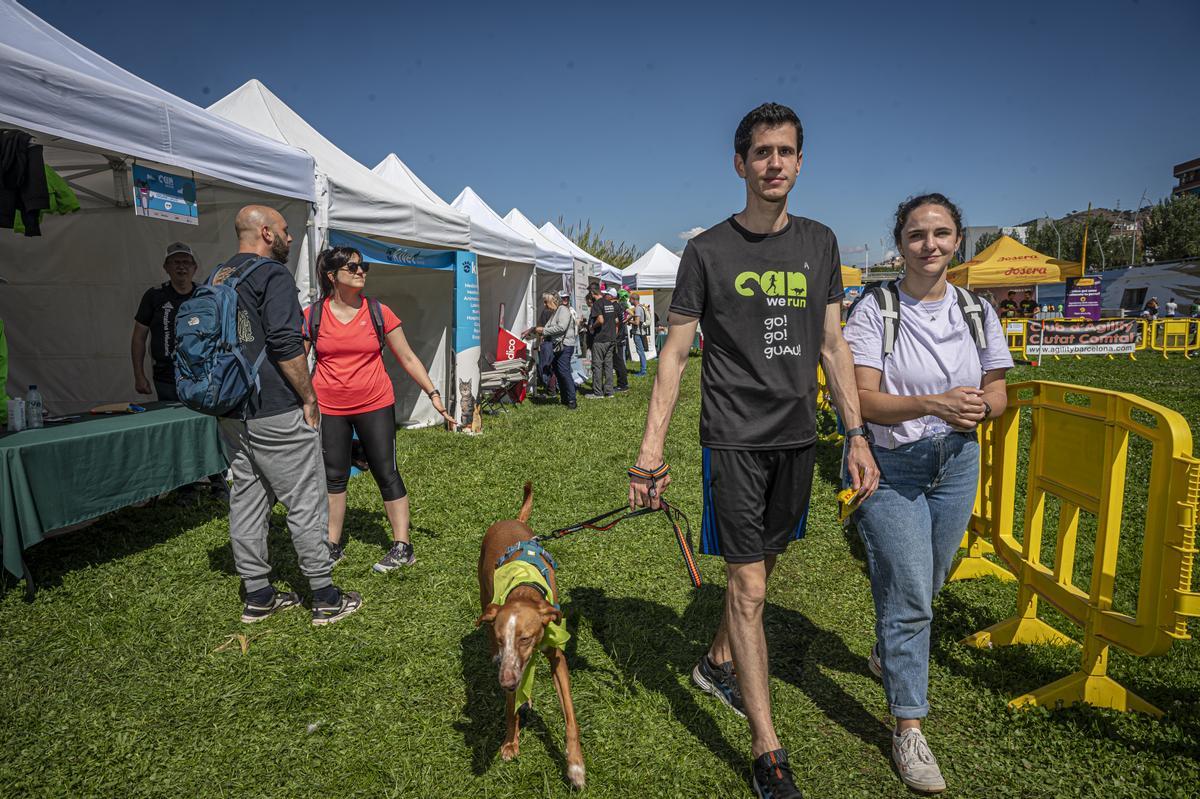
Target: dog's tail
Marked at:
527, 505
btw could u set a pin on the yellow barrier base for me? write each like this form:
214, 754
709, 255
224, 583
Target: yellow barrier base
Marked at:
1097, 690
970, 567
1017, 630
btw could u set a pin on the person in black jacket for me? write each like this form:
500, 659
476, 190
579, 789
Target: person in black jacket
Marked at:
274, 444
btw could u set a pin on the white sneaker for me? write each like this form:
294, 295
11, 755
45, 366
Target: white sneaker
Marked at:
874, 663
917, 766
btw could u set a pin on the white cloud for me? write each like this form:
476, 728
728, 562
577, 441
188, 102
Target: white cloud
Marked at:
849, 250
890, 254
691, 233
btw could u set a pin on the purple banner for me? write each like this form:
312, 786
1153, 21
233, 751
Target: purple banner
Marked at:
1083, 298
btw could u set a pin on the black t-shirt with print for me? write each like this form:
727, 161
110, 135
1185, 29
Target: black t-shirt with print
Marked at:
1028, 307
157, 311
761, 301
607, 331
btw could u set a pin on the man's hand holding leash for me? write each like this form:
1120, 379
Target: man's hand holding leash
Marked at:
650, 476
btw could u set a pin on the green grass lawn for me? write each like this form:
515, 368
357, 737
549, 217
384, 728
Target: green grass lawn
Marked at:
125, 676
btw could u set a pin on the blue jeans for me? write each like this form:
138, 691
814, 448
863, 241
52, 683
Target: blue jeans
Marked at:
546, 365
912, 527
566, 380
640, 346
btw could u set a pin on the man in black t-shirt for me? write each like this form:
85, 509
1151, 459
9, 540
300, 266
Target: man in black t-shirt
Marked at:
1028, 308
1008, 306
155, 319
603, 325
766, 289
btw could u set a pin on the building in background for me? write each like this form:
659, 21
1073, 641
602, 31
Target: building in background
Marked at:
1188, 175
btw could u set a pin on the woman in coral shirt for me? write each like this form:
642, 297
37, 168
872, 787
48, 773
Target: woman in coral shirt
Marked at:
355, 394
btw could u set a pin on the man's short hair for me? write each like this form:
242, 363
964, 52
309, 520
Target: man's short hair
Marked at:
772, 115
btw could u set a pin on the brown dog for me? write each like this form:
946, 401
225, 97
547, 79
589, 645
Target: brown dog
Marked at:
518, 600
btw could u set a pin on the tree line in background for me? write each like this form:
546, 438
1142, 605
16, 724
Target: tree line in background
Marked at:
1170, 232
618, 254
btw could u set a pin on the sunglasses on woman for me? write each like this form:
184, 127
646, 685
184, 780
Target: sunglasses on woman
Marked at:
364, 268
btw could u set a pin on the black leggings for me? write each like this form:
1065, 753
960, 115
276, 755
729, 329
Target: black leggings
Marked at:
377, 432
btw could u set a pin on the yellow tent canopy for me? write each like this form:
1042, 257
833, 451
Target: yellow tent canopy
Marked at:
851, 276
1008, 262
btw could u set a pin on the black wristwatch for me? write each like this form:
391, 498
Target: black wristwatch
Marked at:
987, 410
856, 431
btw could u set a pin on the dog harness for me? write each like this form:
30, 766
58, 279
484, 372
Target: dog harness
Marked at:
526, 563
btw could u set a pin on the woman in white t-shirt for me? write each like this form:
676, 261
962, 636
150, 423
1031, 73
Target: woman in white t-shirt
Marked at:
922, 403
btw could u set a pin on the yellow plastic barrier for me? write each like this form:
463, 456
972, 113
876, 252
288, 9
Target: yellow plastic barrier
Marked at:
1175, 335
825, 406
1014, 332
976, 540
1078, 449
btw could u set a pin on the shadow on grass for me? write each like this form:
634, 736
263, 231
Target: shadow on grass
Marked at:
654, 645
1012, 671
114, 536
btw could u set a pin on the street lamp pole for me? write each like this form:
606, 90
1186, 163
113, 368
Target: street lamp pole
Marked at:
1056, 235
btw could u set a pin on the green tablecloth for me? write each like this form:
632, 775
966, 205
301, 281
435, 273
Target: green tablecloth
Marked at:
62, 475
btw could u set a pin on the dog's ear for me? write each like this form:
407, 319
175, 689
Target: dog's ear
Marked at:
550, 614
489, 614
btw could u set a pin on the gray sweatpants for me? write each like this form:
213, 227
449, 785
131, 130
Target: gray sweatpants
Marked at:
277, 458
602, 367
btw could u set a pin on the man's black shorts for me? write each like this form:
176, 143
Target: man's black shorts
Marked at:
755, 501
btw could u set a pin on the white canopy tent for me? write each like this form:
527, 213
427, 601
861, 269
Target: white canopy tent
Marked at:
605, 271
68, 321
655, 270
557, 268
353, 199
506, 272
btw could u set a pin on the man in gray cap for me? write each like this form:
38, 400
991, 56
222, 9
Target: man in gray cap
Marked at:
155, 319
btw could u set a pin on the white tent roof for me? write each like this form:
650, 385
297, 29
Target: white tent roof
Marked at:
550, 256
51, 84
358, 200
490, 235
608, 272
396, 172
654, 270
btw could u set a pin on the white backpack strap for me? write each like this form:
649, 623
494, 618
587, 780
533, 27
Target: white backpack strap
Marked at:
972, 312
888, 298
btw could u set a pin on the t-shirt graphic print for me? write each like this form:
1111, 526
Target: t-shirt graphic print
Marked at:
761, 301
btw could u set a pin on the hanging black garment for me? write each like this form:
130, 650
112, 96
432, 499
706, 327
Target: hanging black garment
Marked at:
22, 181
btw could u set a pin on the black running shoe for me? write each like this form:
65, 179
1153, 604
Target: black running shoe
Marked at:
721, 682
348, 602
335, 551
773, 777
257, 611
401, 554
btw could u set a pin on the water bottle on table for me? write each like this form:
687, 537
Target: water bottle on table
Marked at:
33, 408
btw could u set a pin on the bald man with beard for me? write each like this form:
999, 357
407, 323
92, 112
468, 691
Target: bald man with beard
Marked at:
274, 443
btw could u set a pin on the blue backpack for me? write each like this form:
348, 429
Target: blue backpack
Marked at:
212, 374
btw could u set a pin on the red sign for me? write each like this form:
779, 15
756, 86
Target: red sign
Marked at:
509, 347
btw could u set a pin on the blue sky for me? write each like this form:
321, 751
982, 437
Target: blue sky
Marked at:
624, 113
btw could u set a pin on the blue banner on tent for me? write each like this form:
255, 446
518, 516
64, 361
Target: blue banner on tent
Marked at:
161, 195
382, 252
466, 293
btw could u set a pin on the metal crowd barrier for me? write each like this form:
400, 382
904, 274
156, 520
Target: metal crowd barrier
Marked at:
1078, 452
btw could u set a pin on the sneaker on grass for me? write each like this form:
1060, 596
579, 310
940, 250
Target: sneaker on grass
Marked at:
874, 663
401, 554
257, 609
917, 766
773, 777
348, 602
720, 681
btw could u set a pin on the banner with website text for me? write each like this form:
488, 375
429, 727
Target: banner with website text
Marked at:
1107, 337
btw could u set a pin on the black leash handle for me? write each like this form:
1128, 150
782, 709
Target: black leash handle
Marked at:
670, 511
